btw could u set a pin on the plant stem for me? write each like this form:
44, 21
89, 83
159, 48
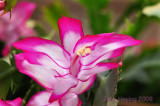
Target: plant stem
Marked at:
27, 94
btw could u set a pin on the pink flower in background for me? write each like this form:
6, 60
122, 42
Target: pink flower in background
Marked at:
72, 68
2, 4
13, 29
42, 99
15, 102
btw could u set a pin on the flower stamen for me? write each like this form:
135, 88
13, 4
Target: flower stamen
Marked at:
84, 51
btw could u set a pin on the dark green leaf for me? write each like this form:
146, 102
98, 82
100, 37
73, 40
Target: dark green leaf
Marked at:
4, 84
1, 48
94, 4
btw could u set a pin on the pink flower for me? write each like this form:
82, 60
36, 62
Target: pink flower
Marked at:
121, 63
2, 4
71, 68
15, 102
42, 99
13, 29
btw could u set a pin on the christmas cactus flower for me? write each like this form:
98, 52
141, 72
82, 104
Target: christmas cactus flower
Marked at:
72, 67
42, 99
15, 102
13, 29
2, 4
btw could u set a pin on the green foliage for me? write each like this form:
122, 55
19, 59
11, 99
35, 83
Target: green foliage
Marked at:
140, 66
40, 30
100, 23
142, 71
1, 48
134, 29
4, 82
53, 12
11, 56
95, 5
135, 6
9, 6
107, 89
33, 88
99, 17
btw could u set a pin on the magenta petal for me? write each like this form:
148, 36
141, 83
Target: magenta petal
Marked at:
26, 31
108, 45
12, 29
89, 63
83, 86
41, 74
42, 99
52, 49
22, 12
106, 34
38, 58
120, 63
70, 30
87, 41
62, 85
70, 99
100, 67
91, 40
15, 102
5, 51
3, 103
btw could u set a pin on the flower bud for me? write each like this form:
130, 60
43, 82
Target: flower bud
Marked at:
2, 4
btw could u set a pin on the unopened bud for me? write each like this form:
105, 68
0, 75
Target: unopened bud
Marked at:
2, 4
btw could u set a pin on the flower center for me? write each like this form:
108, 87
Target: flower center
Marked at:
84, 51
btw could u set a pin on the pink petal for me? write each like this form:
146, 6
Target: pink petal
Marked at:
70, 30
91, 40
3, 103
70, 99
22, 12
38, 58
109, 44
41, 74
96, 59
52, 49
118, 41
8, 32
55, 103
26, 31
42, 99
83, 86
12, 29
15, 102
120, 63
2, 5
106, 34
75, 67
84, 74
62, 85
5, 51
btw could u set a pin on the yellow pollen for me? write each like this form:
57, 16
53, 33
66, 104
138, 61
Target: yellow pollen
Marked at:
84, 51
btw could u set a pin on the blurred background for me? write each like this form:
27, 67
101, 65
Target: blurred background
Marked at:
139, 77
